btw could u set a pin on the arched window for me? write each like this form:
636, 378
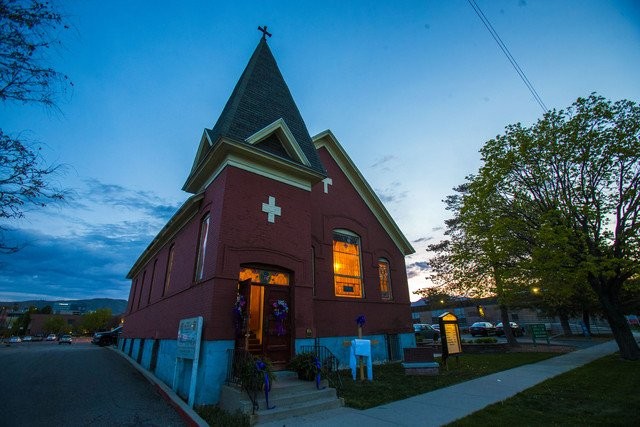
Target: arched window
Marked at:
385, 278
167, 276
347, 272
202, 248
144, 275
153, 278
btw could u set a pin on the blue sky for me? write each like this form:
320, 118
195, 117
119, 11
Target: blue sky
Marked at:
411, 89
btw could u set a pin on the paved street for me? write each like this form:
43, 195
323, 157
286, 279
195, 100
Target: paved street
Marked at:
44, 383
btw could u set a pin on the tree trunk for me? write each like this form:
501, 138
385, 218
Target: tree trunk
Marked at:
564, 322
506, 327
619, 326
586, 320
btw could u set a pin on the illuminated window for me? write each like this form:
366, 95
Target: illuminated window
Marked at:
346, 264
265, 277
202, 247
167, 276
385, 278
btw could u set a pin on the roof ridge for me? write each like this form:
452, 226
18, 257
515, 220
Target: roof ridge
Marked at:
261, 97
220, 127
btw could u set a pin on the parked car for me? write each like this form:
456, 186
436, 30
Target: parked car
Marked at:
27, 338
52, 337
517, 330
107, 337
425, 332
37, 337
65, 339
15, 340
482, 328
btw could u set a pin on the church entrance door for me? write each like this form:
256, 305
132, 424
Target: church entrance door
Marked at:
269, 324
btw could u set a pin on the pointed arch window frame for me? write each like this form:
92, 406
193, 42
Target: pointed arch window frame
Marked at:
384, 272
347, 284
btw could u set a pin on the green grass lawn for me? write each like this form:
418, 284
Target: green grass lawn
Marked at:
603, 392
390, 382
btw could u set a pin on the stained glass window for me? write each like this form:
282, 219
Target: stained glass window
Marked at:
385, 278
265, 277
347, 273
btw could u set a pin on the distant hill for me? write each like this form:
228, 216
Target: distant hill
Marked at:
117, 306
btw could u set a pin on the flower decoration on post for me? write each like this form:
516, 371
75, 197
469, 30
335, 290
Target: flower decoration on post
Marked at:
360, 320
262, 368
239, 313
280, 310
316, 362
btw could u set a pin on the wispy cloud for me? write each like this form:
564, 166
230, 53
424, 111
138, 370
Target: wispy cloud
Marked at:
416, 269
85, 255
392, 194
383, 163
116, 195
423, 239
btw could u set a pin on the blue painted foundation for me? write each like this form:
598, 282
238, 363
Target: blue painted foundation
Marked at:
212, 369
340, 346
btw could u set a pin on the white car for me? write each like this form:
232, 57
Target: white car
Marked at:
15, 340
51, 337
65, 339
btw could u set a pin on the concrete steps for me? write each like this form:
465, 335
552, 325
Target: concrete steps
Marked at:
289, 397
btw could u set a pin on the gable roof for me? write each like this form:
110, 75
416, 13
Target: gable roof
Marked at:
261, 99
327, 140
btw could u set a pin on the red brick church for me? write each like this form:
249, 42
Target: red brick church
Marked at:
276, 220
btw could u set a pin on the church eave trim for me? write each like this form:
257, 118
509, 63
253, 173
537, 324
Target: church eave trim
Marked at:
244, 156
329, 141
171, 228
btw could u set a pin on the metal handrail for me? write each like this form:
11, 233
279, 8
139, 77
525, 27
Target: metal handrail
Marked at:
328, 361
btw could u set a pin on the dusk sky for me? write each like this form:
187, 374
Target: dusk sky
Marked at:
411, 89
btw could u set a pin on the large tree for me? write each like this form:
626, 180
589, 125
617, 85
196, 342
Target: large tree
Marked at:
98, 320
578, 173
487, 242
28, 29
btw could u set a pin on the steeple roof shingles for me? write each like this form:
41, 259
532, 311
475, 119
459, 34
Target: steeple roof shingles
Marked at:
261, 97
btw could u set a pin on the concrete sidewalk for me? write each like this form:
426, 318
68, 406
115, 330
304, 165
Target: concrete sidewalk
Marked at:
448, 404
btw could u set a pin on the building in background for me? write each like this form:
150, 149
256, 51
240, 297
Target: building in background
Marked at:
60, 307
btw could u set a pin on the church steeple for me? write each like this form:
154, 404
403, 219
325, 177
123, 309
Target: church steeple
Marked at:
260, 100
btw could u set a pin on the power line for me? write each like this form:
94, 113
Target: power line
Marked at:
505, 50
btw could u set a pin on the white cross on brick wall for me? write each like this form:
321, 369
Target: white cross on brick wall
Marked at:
271, 209
327, 182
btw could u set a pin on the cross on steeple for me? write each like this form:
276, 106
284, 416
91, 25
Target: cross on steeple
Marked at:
265, 33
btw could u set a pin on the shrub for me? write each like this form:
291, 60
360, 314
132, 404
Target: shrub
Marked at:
305, 365
249, 372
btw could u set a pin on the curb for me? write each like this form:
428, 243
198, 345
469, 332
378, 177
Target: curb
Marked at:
187, 413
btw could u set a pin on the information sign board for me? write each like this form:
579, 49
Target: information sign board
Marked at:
539, 331
451, 335
450, 332
189, 333
188, 347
